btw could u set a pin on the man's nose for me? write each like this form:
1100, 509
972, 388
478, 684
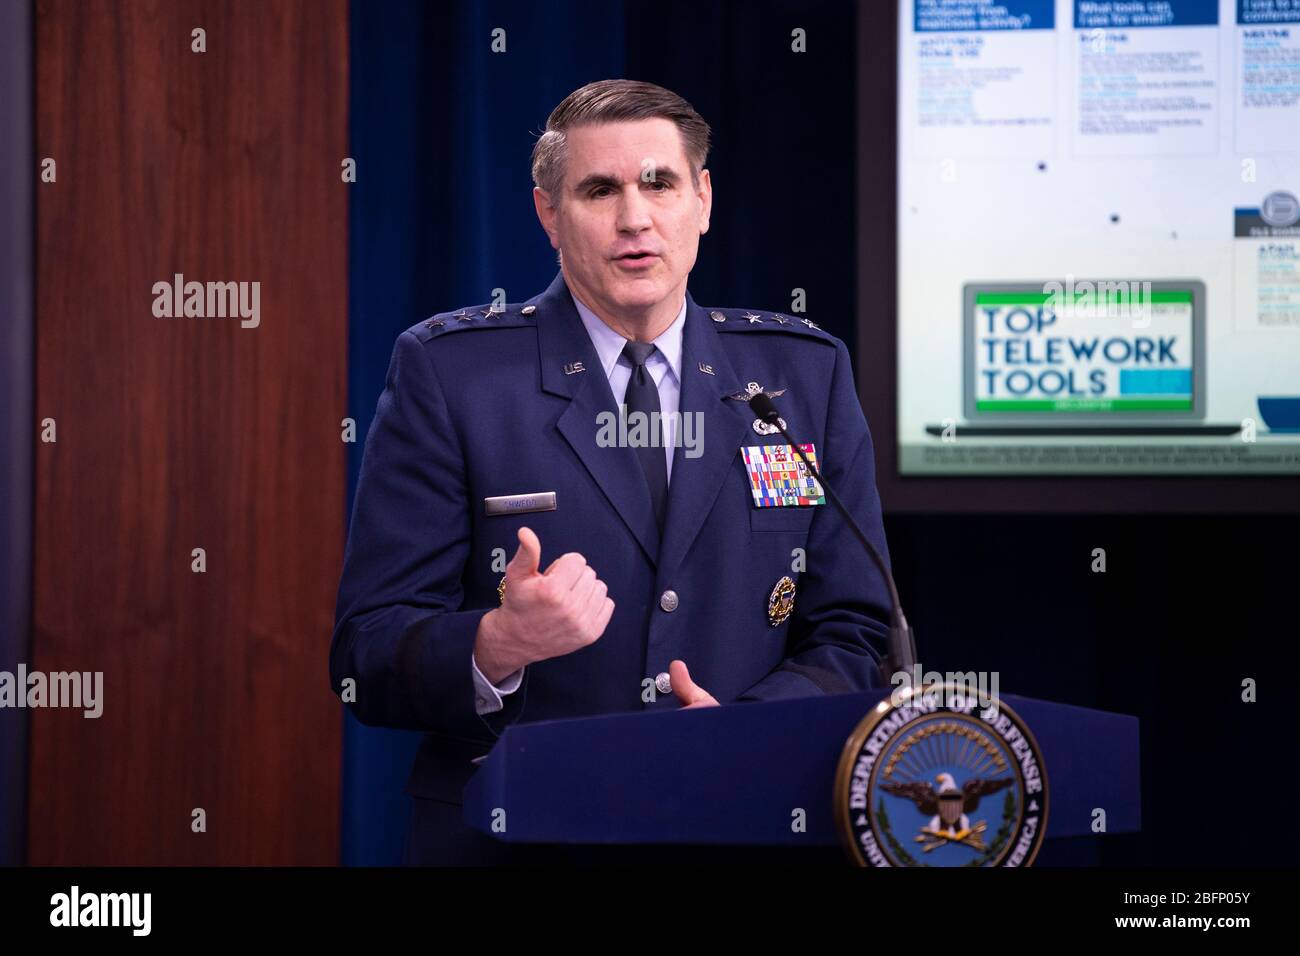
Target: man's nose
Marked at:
633, 210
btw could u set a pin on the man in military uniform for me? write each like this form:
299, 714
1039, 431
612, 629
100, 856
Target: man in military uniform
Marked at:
603, 425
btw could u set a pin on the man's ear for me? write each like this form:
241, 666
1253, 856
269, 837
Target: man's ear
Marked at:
705, 194
546, 215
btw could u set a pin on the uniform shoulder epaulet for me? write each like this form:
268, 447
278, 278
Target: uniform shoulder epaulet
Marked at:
486, 316
744, 320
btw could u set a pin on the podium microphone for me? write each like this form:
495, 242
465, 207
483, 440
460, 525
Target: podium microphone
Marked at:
902, 646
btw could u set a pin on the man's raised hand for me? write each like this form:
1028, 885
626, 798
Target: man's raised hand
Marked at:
543, 614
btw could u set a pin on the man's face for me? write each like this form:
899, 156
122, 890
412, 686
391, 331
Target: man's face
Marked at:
629, 220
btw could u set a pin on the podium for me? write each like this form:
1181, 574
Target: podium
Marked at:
735, 775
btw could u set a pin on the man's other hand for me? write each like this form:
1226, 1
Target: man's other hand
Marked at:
687, 691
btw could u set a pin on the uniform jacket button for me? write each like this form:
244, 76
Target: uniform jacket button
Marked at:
668, 600
663, 683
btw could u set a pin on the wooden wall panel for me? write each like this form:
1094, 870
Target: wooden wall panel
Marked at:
183, 433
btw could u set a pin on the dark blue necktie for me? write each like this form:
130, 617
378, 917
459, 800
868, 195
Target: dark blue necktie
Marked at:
643, 396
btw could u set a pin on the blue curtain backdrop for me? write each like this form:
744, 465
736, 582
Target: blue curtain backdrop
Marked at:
441, 213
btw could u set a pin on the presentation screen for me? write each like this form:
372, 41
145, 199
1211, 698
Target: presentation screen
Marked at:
1099, 237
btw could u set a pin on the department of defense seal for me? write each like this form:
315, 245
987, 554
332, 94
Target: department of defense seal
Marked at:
939, 780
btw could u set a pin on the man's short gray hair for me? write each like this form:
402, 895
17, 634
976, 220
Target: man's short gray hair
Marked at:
612, 101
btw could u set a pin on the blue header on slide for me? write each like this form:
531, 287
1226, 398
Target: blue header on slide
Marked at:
1132, 14
970, 16
1251, 12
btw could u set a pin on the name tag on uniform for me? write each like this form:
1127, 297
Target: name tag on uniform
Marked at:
778, 478
520, 504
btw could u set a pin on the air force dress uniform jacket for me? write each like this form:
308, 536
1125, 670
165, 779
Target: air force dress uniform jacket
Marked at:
487, 402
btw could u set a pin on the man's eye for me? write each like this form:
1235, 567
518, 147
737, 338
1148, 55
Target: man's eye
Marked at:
659, 182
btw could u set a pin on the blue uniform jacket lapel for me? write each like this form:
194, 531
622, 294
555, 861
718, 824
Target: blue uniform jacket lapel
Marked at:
723, 425
562, 340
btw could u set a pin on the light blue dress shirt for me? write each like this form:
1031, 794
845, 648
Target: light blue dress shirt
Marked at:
665, 367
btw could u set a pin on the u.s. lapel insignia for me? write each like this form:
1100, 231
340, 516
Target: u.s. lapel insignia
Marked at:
574, 367
501, 590
706, 369
781, 603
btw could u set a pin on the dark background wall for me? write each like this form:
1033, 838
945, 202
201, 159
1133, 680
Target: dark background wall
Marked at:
183, 433
17, 328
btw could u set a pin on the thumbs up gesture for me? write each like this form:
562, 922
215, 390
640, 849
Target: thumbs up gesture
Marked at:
544, 613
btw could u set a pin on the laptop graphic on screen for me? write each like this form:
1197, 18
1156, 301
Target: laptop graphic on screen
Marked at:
1090, 357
